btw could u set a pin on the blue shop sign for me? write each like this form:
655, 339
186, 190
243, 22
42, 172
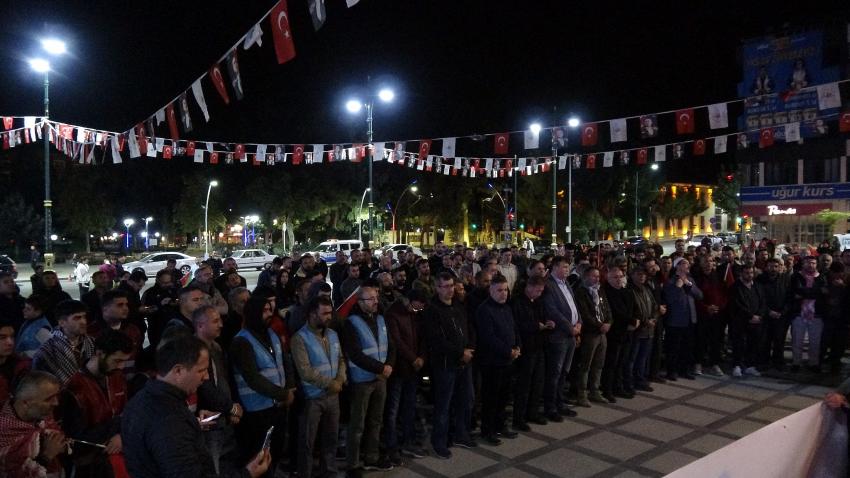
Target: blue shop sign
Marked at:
796, 192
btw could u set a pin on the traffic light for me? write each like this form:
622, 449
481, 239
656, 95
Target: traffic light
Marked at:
730, 177
511, 224
522, 226
474, 226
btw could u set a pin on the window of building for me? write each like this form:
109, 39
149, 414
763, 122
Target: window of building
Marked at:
821, 170
777, 172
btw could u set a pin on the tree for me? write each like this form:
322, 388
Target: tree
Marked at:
830, 217
84, 206
19, 223
726, 195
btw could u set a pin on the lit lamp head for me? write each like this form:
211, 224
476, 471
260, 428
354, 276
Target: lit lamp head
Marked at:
40, 65
573, 122
128, 222
535, 128
353, 106
54, 46
386, 95
213, 183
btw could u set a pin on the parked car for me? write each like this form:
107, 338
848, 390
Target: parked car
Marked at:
728, 237
153, 263
634, 241
696, 241
396, 248
328, 249
252, 259
8, 265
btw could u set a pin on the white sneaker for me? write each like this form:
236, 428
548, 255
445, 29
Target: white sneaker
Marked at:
752, 371
698, 369
736, 371
716, 371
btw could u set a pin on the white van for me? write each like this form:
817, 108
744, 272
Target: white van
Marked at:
842, 241
328, 249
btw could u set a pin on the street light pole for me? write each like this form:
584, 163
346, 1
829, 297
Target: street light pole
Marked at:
48, 204
369, 151
360, 211
554, 192
206, 220
394, 210
147, 239
637, 228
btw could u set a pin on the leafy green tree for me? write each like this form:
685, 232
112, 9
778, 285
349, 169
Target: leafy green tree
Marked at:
19, 223
84, 207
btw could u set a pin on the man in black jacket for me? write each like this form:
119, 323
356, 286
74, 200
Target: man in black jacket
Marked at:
449, 352
530, 366
596, 314
161, 437
775, 323
498, 346
748, 312
621, 302
806, 294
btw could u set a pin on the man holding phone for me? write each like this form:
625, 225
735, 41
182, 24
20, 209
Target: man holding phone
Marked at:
162, 438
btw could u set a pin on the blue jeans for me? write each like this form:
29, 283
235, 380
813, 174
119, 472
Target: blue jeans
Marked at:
639, 360
452, 403
559, 357
401, 401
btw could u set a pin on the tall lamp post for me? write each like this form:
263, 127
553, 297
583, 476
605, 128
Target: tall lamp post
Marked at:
572, 123
147, 240
359, 213
413, 188
653, 167
354, 106
54, 47
127, 223
207, 235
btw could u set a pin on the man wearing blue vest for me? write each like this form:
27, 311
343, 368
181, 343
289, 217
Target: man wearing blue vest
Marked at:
370, 354
318, 359
264, 380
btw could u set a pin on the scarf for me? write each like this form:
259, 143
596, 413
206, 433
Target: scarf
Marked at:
58, 357
20, 444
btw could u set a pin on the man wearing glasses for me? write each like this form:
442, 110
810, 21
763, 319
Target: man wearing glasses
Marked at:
371, 355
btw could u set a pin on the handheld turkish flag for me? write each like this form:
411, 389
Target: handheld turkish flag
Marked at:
591, 161
172, 121
218, 81
297, 153
283, 44
500, 144
641, 156
190, 148
344, 309
844, 122
699, 147
424, 148
589, 134
766, 138
685, 121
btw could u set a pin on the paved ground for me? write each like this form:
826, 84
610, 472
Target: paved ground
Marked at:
650, 435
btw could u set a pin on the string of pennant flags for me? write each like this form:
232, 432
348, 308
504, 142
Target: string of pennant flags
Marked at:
98, 147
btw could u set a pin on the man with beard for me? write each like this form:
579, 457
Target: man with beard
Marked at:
93, 401
160, 299
388, 294
594, 309
69, 347
424, 282
337, 272
530, 318
220, 281
774, 285
203, 281
101, 283
748, 312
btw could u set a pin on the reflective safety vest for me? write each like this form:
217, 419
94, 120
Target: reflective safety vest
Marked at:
375, 349
327, 366
270, 367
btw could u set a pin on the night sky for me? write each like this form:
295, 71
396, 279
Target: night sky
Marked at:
458, 67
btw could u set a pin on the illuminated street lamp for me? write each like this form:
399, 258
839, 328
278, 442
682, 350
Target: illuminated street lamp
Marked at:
127, 223
207, 236
147, 242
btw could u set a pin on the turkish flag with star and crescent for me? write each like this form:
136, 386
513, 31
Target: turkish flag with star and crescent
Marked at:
766, 138
218, 81
424, 148
844, 122
297, 153
685, 121
500, 143
589, 134
699, 147
641, 156
172, 121
282, 33
591, 161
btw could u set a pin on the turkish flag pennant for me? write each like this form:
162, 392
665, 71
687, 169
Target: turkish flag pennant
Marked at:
190, 148
121, 141
239, 153
641, 156
500, 143
359, 153
282, 34
218, 81
509, 164
424, 148
6, 141
214, 158
699, 147
167, 151
297, 153
141, 139
685, 121
8, 121
171, 117
591, 161
589, 135
766, 138
66, 131
844, 122
255, 160
27, 138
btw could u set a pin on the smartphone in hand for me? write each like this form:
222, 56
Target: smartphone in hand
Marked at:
267, 443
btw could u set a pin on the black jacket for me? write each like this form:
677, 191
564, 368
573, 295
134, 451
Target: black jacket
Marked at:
528, 316
446, 333
162, 438
622, 303
497, 334
797, 292
774, 291
747, 302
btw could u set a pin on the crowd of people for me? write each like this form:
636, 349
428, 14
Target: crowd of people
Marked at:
398, 357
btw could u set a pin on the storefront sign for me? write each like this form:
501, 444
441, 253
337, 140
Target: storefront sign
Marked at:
797, 192
774, 210
780, 209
